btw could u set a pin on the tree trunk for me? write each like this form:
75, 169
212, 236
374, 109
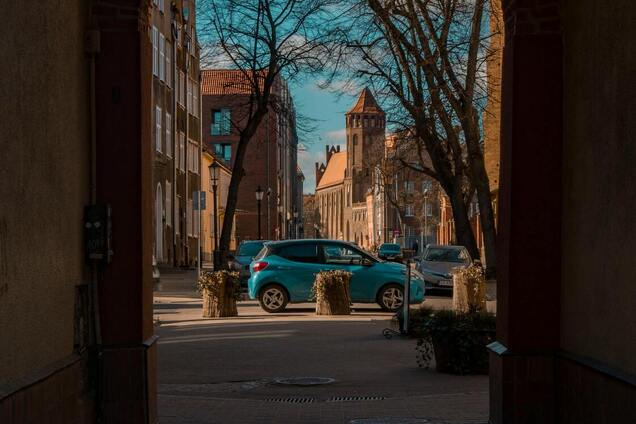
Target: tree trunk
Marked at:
237, 176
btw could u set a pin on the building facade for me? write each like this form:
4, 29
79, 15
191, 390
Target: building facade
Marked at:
270, 160
210, 216
176, 127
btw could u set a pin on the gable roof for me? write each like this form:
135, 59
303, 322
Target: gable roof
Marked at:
225, 81
366, 103
335, 171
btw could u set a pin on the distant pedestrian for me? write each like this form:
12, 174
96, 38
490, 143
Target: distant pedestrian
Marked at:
416, 248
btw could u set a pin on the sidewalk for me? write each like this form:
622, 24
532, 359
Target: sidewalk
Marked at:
225, 370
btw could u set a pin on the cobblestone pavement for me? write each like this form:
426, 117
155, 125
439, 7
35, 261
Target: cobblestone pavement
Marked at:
225, 370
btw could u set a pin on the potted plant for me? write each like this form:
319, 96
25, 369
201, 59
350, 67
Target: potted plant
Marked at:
331, 292
220, 291
456, 340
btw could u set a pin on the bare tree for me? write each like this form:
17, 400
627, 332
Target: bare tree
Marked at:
428, 57
267, 41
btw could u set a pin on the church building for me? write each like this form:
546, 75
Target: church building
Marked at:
343, 183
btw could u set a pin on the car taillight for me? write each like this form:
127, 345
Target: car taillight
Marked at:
259, 266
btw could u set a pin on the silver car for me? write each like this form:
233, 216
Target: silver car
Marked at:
438, 261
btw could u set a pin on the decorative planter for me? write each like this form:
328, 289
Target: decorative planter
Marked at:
469, 290
220, 290
331, 290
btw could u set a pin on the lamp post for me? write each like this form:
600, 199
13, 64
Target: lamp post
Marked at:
214, 179
259, 197
425, 219
295, 222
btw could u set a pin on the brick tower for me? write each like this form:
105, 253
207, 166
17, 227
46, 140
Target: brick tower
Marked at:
365, 134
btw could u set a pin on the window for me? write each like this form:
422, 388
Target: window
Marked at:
168, 204
168, 134
408, 210
195, 100
158, 128
409, 186
189, 88
168, 64
162, 57
429, 209
155, 52
182, 151
221, 122
427, 185
181, 88
300, 253
342, 255
223, 151
193, 157
161, 5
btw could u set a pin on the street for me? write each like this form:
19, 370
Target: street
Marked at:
228, 370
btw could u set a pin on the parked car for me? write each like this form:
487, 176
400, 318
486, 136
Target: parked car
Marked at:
438, 262
390, 252
284, 272
245, 253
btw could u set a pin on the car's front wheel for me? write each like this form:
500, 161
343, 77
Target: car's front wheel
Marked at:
273, 298
391, 297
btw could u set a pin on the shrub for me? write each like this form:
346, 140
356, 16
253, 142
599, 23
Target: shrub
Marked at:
457, 340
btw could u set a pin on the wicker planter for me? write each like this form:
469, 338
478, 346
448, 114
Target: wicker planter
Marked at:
220, 290
331, 290
469, 290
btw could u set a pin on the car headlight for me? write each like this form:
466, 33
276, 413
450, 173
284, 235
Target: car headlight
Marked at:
415, 273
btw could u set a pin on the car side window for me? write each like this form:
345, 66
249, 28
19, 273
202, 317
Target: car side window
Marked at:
307, 253
341, 255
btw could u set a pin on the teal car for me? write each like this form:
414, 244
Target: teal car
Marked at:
283, 272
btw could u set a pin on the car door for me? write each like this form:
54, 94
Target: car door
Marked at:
347, 258
298, 269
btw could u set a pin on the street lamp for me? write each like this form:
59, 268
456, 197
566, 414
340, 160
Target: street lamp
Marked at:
214, 179
425, 219
259, 196
295, 222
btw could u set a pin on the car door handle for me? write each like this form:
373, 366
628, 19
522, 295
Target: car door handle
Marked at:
285, 268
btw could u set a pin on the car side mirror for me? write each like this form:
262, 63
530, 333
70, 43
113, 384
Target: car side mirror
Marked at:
366, 262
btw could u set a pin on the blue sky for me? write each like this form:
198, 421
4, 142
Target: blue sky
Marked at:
326, 110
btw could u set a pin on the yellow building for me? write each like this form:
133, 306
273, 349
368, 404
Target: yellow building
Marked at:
223, 177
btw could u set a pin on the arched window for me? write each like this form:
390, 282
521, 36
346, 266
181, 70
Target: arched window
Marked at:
353, 149
159, 224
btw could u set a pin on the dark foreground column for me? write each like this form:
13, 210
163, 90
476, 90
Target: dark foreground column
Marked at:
522, 386
124, 160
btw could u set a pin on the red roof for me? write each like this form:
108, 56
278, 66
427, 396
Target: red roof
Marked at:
224, 81
366, 103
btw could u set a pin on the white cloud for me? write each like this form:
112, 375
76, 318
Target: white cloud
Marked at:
337, 136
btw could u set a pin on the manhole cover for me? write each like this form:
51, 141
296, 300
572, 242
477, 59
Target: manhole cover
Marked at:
390, 421
304, 381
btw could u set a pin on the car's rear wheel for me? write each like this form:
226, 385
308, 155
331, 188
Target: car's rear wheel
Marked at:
273, 298
391, 297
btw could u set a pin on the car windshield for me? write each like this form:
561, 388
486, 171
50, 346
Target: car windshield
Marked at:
445, 255
392, 247
250, 249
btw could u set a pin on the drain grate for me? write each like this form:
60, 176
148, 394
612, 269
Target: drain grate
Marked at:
354, 398
304, 381
390, 420
291, 399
